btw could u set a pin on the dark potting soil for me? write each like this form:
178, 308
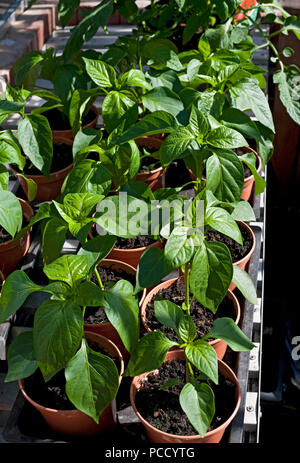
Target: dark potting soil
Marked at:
4, 236
177, 175
202, 317
161, 408
52, 394
96, 315
62, 158
58, 122
148, 163
133, 243
236, 250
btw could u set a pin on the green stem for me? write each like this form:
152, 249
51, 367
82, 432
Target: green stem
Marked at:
83, 311
187, 286
98, 278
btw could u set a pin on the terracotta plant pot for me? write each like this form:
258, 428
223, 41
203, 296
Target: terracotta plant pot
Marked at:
219, 345
75, 422
249, 181
106, 328
57, 134
48, 189
244, 261
12, 252
153, 178
211, 437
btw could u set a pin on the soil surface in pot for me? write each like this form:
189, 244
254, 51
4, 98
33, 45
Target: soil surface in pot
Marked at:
62, 158
4, 236
133, 243
161, 408
96, 315
237, 251
148, 163
202, 317
52, 394
58, 122
178, 175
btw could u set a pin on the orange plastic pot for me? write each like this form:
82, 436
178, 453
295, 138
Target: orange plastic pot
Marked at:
57, 134
132, 256
211, 437
75, 422
219, 345
106, 328
12, 252
244, 261
47, 188
154, 178
249, 181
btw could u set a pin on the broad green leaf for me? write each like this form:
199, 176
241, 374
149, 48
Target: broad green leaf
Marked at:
238, 120
44, 212
192, 25
89, 295
222, 221
149, 353
118, 106
187, 329
204, 357
168, 313
152, 268
224, 137
134, 78
179, 248
53, 238
85, 138
29, 61
35, 137
69, 268
243, 282
66, 10
166, 79
20, 357
57, 334
288, 85
81, 100
243, 212
4, 178
88, 176
122, 310
198, 403
152, 124
163, 99
160, 53
198, 122
11, 214
97, 249
92, 381
211, 274
10, 152
87, 28
175, 145
9, 107
225, 328
77, 206
101, 73
31, 187
250, 160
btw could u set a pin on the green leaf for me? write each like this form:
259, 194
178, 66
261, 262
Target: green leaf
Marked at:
11, 214
87, 28
9, 107
122, 310
163, 99
4, 178
35, 137
152, 268
211, 274
243, 282
10, 152
149, 353
88, 176
20, 357
88, 294
31, 187
26, 64
225, 328
92, 381
197, 402
204, 357
250, 160
66, 10
57, 333
236, 119
222, 221
44, 212
53, 238
85, 138
187, 329
192, 25
168, 313
243, 212
118, 106
198, 122
288, 85
152, 124
134, 78
224, 137
160, 53
101, 73
225, 175
80, 102
170, 383
246, 95
179, 248
175, 145
97, 249
69, 268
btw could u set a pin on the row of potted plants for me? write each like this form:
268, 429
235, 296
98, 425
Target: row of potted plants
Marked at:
189, 105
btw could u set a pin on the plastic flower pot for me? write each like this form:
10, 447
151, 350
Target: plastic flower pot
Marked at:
106, 328
212, 437
12, 252
244, 261
219, 345
75, 422
153, 178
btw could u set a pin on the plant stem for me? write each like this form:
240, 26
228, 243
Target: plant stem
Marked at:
187, 286
98, 278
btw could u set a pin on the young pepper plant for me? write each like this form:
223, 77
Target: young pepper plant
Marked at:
57, 341
196, 397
